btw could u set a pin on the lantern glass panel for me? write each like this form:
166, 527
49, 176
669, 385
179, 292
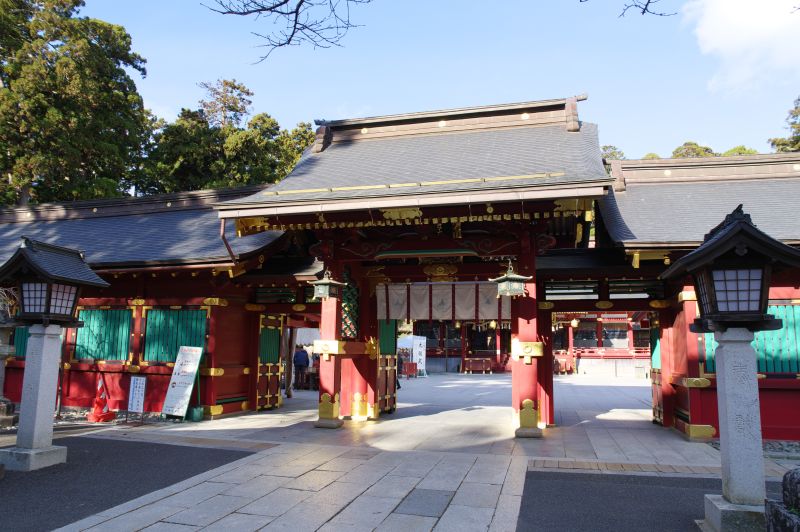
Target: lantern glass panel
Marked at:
62, 299
738, 290
705, 293
34, 297
321, 291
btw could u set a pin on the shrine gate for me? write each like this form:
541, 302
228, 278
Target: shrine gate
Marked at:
415, 213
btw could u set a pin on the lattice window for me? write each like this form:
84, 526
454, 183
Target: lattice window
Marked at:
776, 351
349, 308
105, 334
167, 329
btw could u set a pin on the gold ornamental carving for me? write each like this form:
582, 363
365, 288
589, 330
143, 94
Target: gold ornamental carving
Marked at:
546, 305
215, 301
441, 273
326, 348
528, 416
659, 303
371, 348
604, 305
402, 213
137, 302
526, 350
329, 409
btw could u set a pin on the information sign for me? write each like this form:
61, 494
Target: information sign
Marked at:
136, 394
180, 385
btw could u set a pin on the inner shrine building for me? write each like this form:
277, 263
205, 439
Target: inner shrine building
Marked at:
498, 233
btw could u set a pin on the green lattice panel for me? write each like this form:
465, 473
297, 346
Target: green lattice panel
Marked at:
269, 346
105, 334
349, 309
168, 329
777, 351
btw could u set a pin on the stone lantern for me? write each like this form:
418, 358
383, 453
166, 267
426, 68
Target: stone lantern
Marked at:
48, 280
731, 271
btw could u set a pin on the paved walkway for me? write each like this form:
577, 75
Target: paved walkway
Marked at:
446, 460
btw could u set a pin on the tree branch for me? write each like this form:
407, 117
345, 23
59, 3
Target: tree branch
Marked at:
645, 7
320, 23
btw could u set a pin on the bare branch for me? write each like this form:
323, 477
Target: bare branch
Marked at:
320, 23
644, 7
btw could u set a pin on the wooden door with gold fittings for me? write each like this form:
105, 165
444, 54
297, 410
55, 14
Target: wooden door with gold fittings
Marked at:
270, 370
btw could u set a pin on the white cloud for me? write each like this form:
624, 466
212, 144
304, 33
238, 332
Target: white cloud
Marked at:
755, 40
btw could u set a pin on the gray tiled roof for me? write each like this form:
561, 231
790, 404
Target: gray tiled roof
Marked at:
684, 212
55, 262
189, 235
573, 156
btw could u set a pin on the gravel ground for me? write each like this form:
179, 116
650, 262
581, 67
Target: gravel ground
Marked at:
774, 448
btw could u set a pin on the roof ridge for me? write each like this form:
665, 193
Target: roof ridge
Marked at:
122, 206
480, 109
711, 161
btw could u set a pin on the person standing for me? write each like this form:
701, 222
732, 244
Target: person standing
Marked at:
300, 360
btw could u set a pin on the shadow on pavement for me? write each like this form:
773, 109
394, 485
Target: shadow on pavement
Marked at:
99, 474
592, 502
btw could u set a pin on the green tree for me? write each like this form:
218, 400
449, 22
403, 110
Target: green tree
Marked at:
228, 102
192, 154
692, 149
792, 142
72, 124
651, 155
741, 149
612, 153
187, 154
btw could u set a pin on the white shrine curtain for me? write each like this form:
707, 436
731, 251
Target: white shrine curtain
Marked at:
424, 301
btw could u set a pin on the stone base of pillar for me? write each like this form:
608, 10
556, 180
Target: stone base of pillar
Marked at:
19, 459
528, 432
324, 423
722, 515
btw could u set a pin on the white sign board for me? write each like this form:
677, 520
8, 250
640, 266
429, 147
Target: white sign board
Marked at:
416, 346
136, 394
180, 385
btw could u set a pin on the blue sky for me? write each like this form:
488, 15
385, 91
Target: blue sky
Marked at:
721, 72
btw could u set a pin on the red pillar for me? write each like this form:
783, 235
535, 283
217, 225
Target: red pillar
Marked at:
545, 326
330, 365
526, 350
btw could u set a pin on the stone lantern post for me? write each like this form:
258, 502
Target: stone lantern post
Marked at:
731, 272
48, 280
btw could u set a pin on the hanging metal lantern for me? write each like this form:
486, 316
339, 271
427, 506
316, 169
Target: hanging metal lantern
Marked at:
511, 284
327, 287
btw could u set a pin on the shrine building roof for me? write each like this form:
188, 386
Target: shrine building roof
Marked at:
673, 202
162, 229
512, 152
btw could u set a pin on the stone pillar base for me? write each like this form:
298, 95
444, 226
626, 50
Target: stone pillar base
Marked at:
722, 515
324, 423
19, 459
528, 432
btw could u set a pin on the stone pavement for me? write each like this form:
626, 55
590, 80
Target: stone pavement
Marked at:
446, 460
